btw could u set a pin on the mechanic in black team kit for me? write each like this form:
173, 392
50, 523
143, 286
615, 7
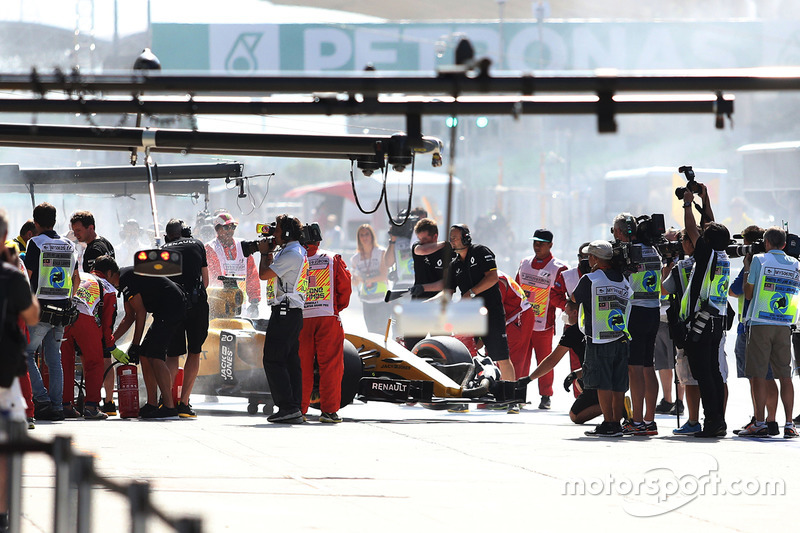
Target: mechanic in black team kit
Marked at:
82, 224
193, 331
165, 300
474, 272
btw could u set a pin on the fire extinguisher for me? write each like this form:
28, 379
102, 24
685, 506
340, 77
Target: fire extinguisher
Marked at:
177, 386
128, 391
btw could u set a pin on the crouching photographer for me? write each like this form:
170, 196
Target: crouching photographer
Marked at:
704, 307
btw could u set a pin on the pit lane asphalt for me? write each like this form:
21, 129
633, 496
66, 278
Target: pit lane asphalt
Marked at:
400, 468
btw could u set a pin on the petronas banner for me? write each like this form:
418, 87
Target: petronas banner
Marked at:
523, 46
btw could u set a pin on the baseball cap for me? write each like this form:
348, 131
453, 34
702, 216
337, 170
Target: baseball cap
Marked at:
543, 235
223, 219
599, 249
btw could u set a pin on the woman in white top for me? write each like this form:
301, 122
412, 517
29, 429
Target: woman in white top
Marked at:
370, 279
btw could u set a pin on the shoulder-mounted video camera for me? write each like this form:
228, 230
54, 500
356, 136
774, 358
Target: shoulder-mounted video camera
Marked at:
406, 229
648, 231
691, 184
308, 233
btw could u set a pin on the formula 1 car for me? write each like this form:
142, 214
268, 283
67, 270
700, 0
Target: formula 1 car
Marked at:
438, 371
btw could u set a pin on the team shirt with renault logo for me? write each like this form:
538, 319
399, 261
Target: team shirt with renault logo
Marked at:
468, 272
776, 293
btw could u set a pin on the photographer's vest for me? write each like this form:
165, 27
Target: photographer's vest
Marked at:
299, 285
537, 282
403, 263
367, 268
646, 281
319, 298
57, 262
683, 269
775, 298
611, 307
571, 278
714, 291
230, 267
516, 296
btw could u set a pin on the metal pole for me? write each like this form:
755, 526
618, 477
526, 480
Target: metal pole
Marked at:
16, 433
152, 191
62, 456
84, 479
139, 494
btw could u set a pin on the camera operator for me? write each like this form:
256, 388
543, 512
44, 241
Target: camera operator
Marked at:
226, 258
286, 273
193, 332
675, 284
474, 273
704, 306
429, 256
604, 296
750, 235
645, 280
773, 286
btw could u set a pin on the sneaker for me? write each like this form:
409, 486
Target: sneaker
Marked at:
513, 409
458, 408
46, 411
752, 421
496, 407
677, 408
109, 408
773, 428
605, 429
634, 428
165, 412
94, 413
650, 428
790, 432
31, 424
148, 410
70, 411
688, 428
712, 432
185, 410
755, 430
329, 418
545, 403
286, 417
628, 408
664, 407
796, 419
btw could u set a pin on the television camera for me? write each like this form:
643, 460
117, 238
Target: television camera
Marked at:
308, 233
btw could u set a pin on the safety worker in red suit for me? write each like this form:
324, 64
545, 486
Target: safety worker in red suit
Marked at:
519, 321
537, 275
92, 332
565, 283
225, 258
322, 336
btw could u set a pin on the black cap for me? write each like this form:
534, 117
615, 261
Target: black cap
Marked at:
543, 235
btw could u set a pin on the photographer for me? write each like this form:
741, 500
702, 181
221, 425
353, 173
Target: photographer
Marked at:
193, 331
645, 280
286, 273
773, 286
750, 236
226, 258
604, 296
704, 306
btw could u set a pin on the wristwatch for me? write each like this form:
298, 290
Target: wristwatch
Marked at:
472, 294
687, 204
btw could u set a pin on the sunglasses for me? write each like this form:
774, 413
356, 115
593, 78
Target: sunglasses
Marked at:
229, 227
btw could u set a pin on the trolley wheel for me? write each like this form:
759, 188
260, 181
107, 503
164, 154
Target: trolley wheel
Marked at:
252, 408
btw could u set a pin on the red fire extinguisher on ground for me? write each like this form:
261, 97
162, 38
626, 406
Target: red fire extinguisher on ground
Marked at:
177, 386
128, 391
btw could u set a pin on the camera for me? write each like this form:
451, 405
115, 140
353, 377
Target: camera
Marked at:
691, 184
308, 233
741, 250
405, 230
648, 230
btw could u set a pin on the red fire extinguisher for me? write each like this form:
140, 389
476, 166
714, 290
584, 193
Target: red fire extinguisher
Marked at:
128, 391
177, 386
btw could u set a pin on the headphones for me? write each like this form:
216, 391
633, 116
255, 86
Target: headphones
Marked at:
466, 238
186, 232
628, 224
